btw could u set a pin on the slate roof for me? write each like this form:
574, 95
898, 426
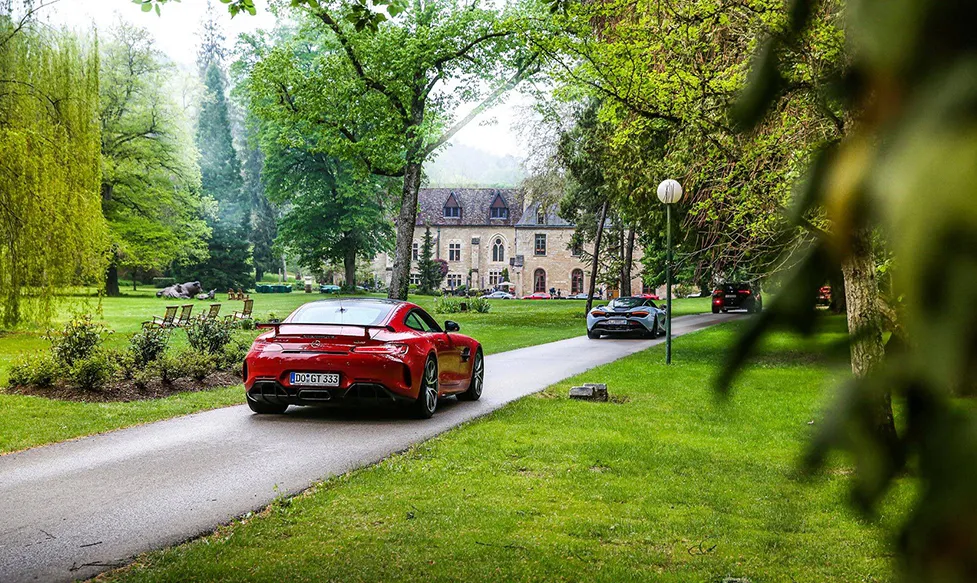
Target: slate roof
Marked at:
531, 218
475, 206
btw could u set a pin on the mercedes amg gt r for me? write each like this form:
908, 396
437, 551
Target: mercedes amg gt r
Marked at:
361, 351
626, 315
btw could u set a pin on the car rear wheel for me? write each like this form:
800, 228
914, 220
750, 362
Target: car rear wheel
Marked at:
593, 335
427, 397
474, 391
266, 408
715, 309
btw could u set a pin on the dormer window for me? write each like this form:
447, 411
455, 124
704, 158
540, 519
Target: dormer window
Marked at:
498, 210
540, 217
452, 210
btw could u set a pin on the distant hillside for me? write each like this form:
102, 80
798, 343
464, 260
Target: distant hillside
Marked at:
464, 166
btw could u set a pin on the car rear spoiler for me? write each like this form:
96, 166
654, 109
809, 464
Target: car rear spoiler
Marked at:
366, 327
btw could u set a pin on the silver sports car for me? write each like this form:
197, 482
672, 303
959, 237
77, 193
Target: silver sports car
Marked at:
626, 316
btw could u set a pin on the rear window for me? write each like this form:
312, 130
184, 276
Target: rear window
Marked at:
344, 313
627, 303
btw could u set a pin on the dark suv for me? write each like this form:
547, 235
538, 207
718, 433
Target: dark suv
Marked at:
737, 296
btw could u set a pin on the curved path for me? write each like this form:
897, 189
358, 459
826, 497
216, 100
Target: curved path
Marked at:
71, 510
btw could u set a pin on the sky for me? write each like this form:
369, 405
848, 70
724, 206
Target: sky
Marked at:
176, 33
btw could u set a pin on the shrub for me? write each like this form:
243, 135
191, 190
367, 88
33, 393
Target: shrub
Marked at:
172, 367
248, 324
209, 336
143, 376
79, 339
234, 353
36, 370
94, 371
479, 304
161, 282
683, 290
148, 345
197, 365
446, 305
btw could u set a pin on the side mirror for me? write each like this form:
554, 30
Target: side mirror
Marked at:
450, 326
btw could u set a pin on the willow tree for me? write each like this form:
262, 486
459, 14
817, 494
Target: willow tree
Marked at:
51, 229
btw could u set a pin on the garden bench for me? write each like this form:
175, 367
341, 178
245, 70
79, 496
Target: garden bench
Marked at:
184, 318
163, 322
244, 314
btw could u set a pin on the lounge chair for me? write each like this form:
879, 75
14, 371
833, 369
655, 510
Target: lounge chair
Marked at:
184, 318
244, 314
163, 322
212, 313
230, 294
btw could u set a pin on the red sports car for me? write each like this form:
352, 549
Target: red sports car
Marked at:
538, 296
360, 351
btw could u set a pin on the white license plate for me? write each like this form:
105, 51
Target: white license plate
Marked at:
618, 323
730, 296
314, 379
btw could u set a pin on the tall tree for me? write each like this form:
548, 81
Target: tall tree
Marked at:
52, 233
379, 98
149, 163
229, 251
330, 214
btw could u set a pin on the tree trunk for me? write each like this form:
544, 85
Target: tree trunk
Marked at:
593, 268
112, 281
400, 274
135, 272
349, 264
865, 325
626, 265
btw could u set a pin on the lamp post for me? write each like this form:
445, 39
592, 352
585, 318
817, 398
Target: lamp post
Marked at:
669, 192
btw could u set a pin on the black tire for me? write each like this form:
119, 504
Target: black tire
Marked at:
593, 335
427, 397
715, 309
474, 391
266, 408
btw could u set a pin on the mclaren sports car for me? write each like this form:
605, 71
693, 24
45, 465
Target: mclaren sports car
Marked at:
361, 351
628, 315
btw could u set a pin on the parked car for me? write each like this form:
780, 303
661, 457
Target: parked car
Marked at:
329, 289
627, 315
538, 296
824, 296
361, 351
737, 296
581, 296
498, 295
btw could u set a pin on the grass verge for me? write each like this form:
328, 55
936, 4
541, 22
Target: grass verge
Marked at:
670, 485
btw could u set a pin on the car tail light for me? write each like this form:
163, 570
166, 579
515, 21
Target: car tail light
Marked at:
717, 292
745, 291
393, 349
270, 347
599, 314
639, 314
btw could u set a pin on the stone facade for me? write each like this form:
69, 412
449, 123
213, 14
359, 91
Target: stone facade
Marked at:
482, 231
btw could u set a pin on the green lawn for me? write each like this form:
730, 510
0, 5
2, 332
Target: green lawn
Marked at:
29, 421
671, 485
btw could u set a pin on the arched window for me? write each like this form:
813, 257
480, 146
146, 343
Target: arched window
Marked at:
539, 280
498, 251
576, 281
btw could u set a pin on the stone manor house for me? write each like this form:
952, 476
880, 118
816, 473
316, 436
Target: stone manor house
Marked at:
482, 231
